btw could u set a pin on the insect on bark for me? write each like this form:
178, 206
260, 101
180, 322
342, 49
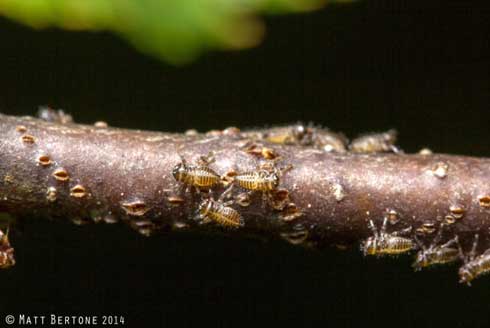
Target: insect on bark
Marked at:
474, 266
375, 143
384, 243
287, 135
436, 254
199, 176
220, 212
299, 134
262, 180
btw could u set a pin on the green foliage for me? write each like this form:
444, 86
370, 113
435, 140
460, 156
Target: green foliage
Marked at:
175, 30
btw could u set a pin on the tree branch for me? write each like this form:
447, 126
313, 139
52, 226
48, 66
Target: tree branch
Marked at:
328, 195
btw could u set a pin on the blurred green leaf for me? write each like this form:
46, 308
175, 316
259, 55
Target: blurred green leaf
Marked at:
175, 30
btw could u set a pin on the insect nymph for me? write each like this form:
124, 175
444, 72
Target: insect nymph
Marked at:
288, 135
220, 212
436, 254
299, 134
260, 180
383, 243
199, 176
375, 143
474, 266
265, 180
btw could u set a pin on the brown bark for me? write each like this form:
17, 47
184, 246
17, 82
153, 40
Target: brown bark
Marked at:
95, 173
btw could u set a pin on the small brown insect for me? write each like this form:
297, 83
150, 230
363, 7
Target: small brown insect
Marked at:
304, 135
220, 212
474, 266
375, 143
260, 180
383, 243
7, 259
436, 254
265, 180
287, 135
199, 176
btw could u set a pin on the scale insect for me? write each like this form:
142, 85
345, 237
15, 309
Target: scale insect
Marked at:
199, 176
474, 266
383, 243
436, 254
220, 212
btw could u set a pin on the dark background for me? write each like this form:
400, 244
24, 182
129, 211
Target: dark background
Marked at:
421, 67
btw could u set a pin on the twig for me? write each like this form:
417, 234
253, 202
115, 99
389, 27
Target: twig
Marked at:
325, 194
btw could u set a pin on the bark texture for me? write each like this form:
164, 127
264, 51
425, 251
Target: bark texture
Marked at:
328, 196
